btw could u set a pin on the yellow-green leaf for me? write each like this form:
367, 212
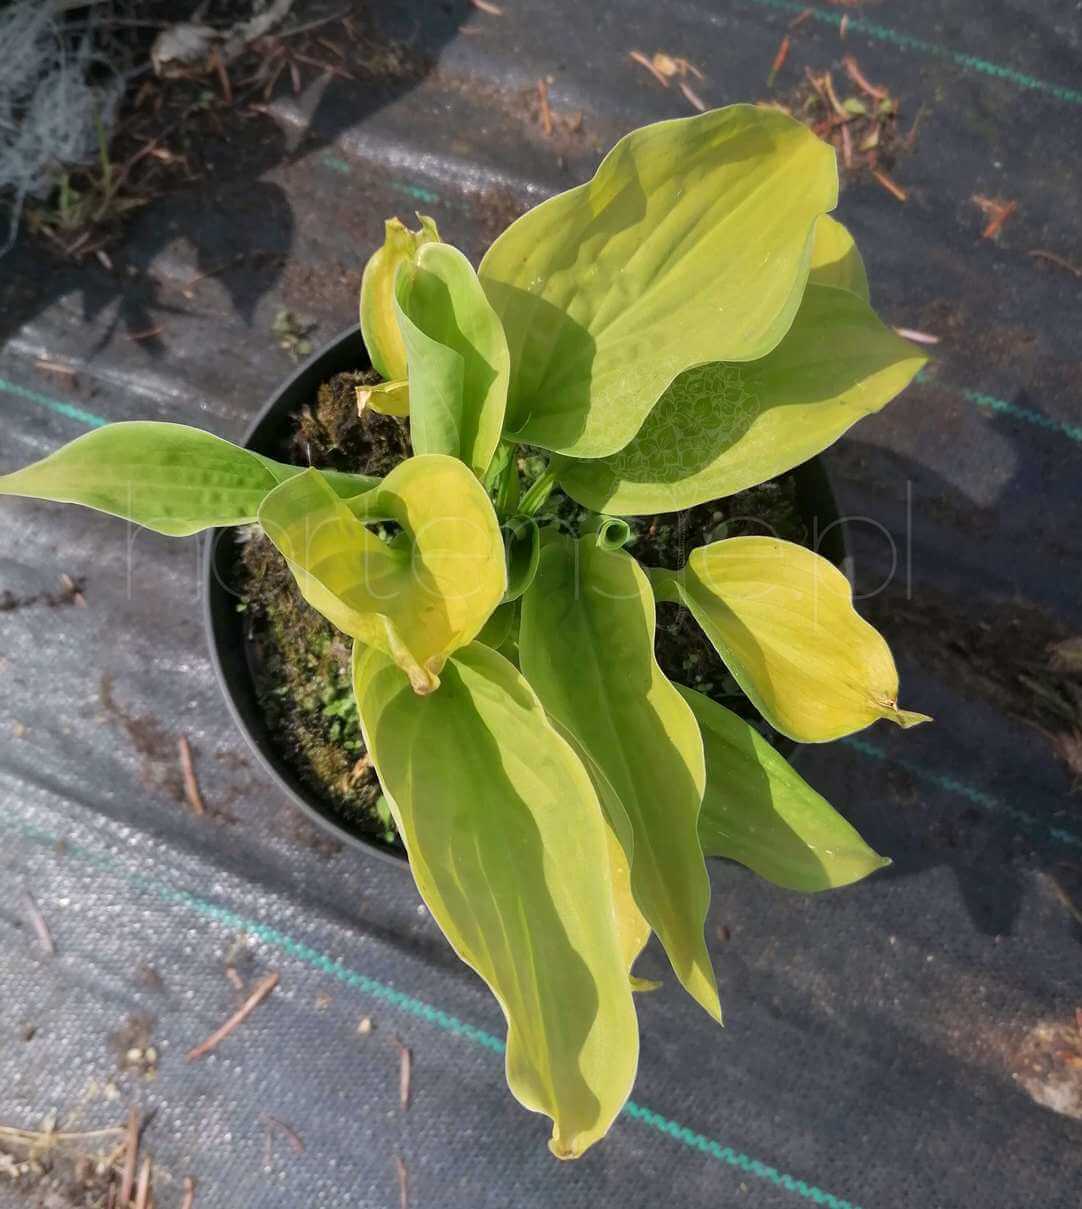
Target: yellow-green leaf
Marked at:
388, 398
171, 478
418, 598
721, 428
457, 355
836, 260
692, 243
782, 619
757, 810
508, 847
632, 930
379, 323
586, 645
523, 540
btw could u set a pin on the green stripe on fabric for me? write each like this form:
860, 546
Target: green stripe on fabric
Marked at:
979, 797
968, 62
68, 410
408, 1004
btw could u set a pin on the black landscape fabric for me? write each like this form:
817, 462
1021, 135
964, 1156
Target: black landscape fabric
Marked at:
909, 1042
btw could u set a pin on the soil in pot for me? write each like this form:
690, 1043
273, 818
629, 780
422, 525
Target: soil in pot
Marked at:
302, 663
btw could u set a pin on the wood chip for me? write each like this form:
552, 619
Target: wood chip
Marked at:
643, 61
843, 25
37, 920
191, 784
891, 186
403, 1182
148, 334
131, 1156
693, 98
189, 1193
493, 10
1052, 258
262, 990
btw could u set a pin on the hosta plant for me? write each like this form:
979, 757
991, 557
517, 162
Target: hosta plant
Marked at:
687, 324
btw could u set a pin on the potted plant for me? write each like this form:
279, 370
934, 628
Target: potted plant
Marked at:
687, 324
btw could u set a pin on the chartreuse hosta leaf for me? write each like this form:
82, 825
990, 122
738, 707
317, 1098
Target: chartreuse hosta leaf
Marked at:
692, 243
457, 355
418, 598
836, 260
632, 930
782, 619
523, 554
586, 645
171, 478
507, 843
758, 811
379, 322
721, 428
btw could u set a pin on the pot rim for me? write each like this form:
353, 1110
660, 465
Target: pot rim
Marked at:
222, 622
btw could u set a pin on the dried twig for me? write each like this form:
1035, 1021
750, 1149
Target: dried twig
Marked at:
262, 990
218, 64
303, 29
189, 1193
37, 920
403, 1182
544, 108
405, 1071
54, 367
643, 61
995, 210
852, 70
779, 61
142, 1192
148, 334
191, 783
843, 26
693, 98
131, 1156
188, 287
801, 17
291, 1136
1052, 258
909, 333
891, 186
493, 10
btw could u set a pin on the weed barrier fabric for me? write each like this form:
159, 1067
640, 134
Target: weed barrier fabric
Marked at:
906, 1042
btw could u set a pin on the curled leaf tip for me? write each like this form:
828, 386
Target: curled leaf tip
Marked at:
906, 718
387, 398
423, 680
565, 1151
644, 985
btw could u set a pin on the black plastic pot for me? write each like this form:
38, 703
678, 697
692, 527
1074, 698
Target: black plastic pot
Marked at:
232, 651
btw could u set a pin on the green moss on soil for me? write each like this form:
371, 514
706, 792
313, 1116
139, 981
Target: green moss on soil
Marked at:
303, 681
